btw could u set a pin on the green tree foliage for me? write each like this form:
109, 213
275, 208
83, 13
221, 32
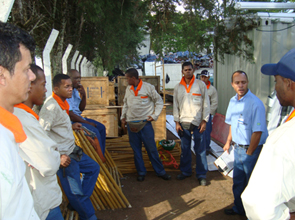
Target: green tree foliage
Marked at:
106, 32
114, 31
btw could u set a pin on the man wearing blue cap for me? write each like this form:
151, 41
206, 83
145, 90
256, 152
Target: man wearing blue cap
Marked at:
247, 133
270, 193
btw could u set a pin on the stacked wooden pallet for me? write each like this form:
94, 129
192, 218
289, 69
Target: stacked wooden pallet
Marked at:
122, 153
107, 193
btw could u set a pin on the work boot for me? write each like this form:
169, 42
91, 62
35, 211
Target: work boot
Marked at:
140, 178
182, 176
165, 176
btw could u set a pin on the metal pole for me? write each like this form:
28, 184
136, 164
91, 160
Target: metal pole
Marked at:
46, 60
74, 59
64, 59
5, 6
88, 66
78, 63
163, 82
263, 5
82, 66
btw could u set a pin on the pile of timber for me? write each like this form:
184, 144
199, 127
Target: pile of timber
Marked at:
107, 193
122, 153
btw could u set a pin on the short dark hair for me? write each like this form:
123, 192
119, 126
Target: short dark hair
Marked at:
71, 71
35, 70
240, 72
58, 78
187, 64
132, 72
10, 39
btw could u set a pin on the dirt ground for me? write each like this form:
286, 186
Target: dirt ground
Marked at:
158, 199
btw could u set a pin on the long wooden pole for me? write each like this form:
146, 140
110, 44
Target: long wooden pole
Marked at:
104, 171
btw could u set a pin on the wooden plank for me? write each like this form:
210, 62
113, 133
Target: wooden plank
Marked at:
122, 84
97, 90
108, 117
160, 126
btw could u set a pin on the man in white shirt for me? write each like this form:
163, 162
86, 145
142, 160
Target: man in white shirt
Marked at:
16, 45
191, 109
142, 105
270, 193
40, 153
55, 120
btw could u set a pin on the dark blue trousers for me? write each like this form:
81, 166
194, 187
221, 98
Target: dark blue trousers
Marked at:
186, 154
147, 136
78, 192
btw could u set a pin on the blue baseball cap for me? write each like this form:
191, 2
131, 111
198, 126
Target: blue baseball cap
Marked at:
205, 73
285, 67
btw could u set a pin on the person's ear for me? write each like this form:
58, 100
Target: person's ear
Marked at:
290, 83
2, 75
55, 89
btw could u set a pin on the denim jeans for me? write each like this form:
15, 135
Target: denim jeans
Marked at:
78, 192
243, 166
99, 130
207, 133
147, 136
55, 214
186, 154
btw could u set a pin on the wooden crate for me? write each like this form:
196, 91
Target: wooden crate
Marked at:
160, 126
108, 117
97, 90
112, 97
112, 91
122, 84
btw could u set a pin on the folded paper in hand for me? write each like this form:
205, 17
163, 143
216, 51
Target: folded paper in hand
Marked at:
225, 163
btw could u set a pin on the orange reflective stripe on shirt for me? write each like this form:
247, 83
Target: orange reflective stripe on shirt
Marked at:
12, 123
27, 109
138, 87
144, 97
64, 105
182, 82
196, 94
291, 116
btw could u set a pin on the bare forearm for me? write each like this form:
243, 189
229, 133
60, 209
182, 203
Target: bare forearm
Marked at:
76, 118
228, 141
255, 138
82, 103
229, 136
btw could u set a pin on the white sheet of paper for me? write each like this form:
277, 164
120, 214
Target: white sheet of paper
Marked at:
226, 161
210, 162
